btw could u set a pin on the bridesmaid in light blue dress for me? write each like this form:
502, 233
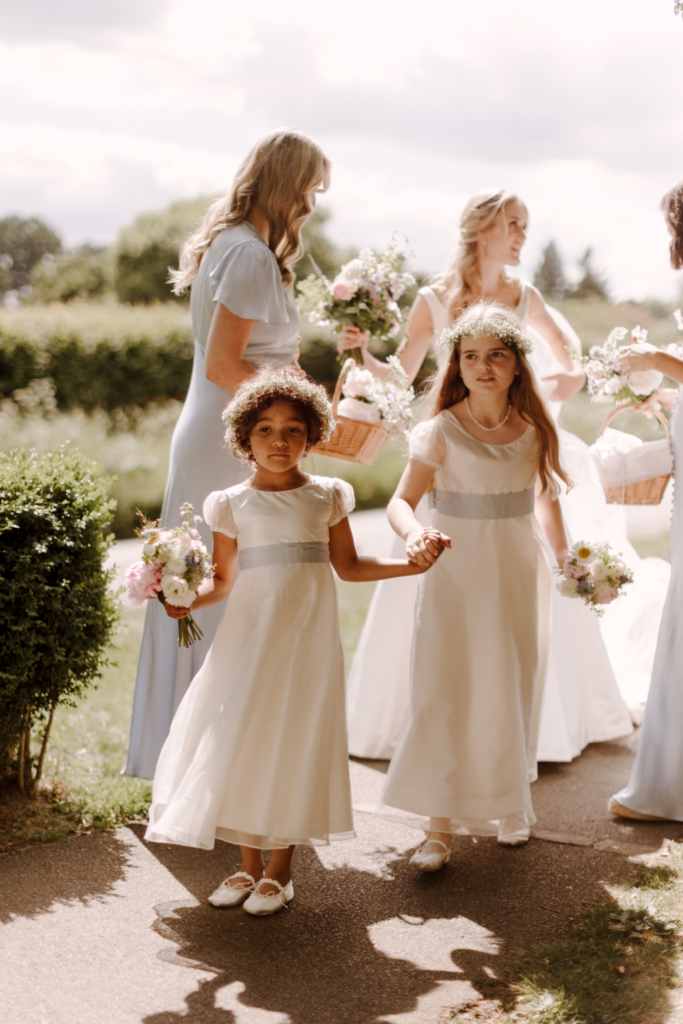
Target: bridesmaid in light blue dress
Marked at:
244, 315
655, 789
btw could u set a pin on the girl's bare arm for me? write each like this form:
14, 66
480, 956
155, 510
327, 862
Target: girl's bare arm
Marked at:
422, 545
349, 565
549, 515
229, 336
217, 589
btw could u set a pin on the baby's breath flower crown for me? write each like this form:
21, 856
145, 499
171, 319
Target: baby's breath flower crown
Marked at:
490, 320
271, 384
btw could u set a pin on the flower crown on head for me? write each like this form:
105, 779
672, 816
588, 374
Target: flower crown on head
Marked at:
489, 321
275, 383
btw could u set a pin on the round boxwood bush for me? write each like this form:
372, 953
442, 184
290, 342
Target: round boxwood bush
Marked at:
56, 606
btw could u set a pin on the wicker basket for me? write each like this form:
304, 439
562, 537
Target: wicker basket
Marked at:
644, 492
352, 440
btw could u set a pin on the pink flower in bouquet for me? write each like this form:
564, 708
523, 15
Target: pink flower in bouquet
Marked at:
359, 384
143, 582
606, 594
574, 572
342, 290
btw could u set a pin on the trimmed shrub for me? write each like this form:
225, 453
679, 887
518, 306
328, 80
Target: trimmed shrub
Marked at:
84, 274
57, 610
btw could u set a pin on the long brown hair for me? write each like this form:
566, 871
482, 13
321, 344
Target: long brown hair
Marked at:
672, 205
460, 281
448, 387
279, 172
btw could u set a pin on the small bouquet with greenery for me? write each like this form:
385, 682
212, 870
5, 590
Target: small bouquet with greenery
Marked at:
174, 564
364, 294
593, 572
387, 403
606, 382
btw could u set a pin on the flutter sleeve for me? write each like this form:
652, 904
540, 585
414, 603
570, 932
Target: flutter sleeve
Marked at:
247, 281
218, 514
343, 500
427, 444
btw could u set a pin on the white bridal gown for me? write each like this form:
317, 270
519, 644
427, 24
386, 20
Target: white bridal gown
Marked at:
467, 750
582, 703
656, 783
257, 751
238, 270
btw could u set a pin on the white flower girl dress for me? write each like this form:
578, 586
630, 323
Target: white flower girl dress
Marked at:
257, 753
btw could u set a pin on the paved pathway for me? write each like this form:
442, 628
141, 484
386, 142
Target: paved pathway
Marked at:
105, 928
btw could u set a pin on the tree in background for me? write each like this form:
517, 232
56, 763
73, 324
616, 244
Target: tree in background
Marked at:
23, 242
592, 285
83, 274
146, 249
549, 277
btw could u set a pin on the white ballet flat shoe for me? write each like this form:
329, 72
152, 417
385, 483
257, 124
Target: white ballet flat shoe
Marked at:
227, 895
425, 859
272, 902
614, 807
513, 830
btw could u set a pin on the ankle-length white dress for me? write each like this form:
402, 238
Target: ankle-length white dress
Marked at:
257, 753
656, 783
584, 701
239, 271
468, 750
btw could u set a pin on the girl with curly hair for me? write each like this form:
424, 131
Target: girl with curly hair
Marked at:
257, 753
488, 457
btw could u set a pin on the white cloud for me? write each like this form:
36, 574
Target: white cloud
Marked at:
577, 107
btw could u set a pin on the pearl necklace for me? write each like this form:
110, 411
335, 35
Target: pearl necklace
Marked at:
481, 425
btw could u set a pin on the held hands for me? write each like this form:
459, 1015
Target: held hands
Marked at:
352, 337
424, 548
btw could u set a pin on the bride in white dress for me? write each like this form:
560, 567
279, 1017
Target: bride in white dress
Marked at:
582, 703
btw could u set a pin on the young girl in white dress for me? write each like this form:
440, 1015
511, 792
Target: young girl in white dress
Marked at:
257, 752
467, 753
655, 789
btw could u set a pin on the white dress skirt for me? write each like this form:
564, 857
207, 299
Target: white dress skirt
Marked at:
257, 753
656, 783
582, 702
468, 748
239, 271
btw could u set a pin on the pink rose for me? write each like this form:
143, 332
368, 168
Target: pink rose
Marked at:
341, 291
143, 582
605, 595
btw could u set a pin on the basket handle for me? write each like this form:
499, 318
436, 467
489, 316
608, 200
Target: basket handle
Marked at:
344, 372
634, 405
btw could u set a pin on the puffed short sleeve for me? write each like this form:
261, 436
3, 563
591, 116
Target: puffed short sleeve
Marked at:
218, 514
343, 500
247, 281
427, 444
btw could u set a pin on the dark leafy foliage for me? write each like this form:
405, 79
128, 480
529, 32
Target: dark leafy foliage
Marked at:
57, 611
22, 243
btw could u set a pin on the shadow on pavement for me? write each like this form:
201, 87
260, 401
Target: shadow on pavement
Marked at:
84, 868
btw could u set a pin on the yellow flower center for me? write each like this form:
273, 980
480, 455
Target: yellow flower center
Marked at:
584, 552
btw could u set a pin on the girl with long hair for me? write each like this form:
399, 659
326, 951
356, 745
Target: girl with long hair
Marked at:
582, 702
238, 265
488, 455
257, 752
655, 790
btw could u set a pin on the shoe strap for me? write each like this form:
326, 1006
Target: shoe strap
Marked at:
251, 884
428, 841
272, 895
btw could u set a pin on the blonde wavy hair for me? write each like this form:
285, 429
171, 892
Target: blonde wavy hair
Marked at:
460, 281
672, 206
491, 319
279, 173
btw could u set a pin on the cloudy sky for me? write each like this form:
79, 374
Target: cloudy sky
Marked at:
108, 109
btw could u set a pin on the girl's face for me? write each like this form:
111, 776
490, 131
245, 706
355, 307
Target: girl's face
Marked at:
278, 438
503, 240
487, 366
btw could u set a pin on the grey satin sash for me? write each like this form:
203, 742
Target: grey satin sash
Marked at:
281, 554
483, 506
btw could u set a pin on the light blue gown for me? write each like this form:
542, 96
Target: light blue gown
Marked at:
238, 270
656, 783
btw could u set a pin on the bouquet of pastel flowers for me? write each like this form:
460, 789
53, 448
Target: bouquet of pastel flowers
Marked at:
606, 382
593, 572
174, 563
386, 403
364, 294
